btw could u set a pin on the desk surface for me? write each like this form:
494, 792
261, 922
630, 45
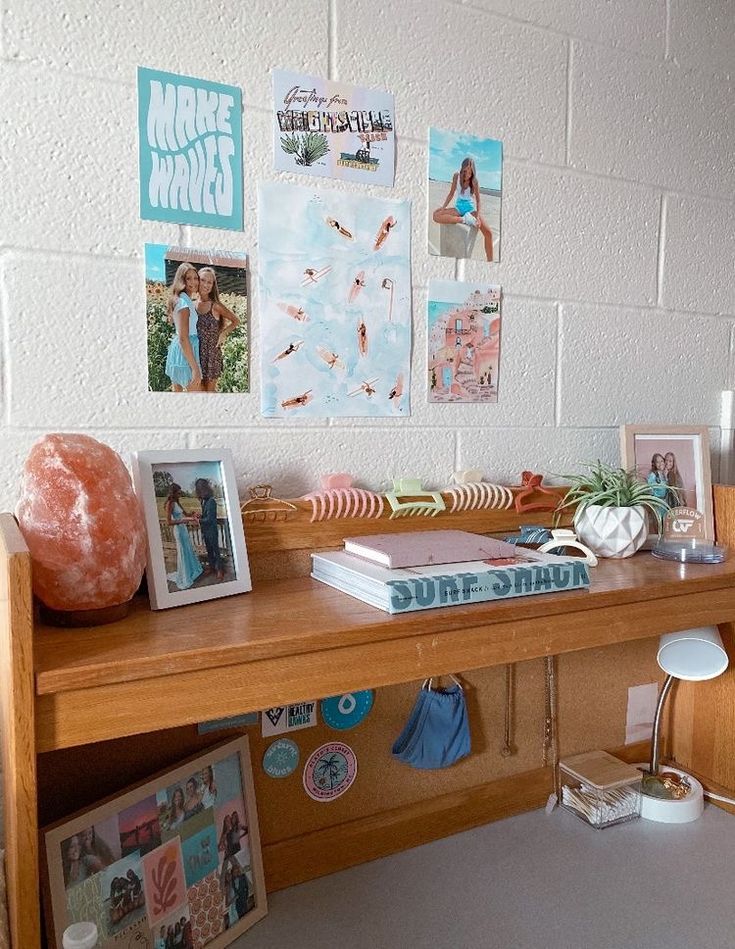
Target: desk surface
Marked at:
293, 640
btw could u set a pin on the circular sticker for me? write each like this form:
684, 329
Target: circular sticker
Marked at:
346, 711
330, 771
281, 758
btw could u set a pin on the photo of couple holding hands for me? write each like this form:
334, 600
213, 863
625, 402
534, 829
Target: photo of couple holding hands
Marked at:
189, 567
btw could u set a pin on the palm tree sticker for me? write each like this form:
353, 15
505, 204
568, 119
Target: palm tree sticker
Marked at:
330, 771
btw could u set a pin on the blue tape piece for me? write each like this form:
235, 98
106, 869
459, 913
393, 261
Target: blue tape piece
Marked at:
236, 721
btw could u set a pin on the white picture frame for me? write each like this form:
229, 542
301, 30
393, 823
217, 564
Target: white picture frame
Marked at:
182, 566
640, 444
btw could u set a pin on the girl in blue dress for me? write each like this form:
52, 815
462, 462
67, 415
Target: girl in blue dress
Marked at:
182, 361
188, 567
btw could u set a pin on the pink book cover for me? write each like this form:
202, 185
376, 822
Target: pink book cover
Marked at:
421, 548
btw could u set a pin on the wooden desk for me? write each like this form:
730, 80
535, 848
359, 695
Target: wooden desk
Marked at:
291, 640
287, 641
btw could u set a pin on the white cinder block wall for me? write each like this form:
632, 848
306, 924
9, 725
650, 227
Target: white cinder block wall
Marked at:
618, 118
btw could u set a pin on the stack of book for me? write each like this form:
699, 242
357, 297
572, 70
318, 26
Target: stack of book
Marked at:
425, 569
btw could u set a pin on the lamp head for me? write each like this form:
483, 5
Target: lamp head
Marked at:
692, 654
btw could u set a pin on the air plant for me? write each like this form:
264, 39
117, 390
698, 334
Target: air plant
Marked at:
606, 486
307, 148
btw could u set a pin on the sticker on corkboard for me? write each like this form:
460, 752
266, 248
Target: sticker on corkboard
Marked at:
330, 771
281, 758
288, 718
346, 711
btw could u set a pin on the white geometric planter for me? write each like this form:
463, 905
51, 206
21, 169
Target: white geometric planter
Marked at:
612, 531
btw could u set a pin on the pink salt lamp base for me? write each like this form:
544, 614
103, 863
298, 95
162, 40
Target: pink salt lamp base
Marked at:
76, 618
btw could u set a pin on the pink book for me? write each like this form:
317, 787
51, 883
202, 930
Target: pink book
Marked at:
421, 548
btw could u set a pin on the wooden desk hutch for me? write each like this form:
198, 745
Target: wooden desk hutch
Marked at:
293, 639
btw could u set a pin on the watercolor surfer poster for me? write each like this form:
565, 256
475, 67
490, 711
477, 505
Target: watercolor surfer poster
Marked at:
335, 303
464, 341
190, 150
465, 191
333, 130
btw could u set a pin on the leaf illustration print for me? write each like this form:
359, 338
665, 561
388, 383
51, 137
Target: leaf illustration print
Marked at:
164, 884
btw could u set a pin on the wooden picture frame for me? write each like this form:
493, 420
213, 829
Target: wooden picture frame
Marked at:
203, 556
689, 446
179, 853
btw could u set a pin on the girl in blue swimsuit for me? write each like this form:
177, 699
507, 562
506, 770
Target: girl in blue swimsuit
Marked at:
182, 360
466, 208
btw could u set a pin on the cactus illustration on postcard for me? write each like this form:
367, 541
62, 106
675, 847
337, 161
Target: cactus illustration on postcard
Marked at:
335, 304
463, 341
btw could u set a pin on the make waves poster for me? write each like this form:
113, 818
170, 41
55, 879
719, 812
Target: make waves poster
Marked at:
190, 143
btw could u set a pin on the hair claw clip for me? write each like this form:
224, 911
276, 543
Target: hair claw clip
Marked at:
471, 493
407, 499
338, 498
261, 506
530, 485
563, 538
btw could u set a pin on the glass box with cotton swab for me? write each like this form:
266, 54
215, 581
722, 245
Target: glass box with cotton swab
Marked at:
600, 789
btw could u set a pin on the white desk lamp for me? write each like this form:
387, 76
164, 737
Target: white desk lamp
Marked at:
693, 655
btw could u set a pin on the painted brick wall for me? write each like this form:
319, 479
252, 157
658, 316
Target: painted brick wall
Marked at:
618, 118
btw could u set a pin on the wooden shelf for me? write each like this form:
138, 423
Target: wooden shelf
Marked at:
297, 639
292, 640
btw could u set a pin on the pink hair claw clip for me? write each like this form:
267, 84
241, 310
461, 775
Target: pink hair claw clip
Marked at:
338, 498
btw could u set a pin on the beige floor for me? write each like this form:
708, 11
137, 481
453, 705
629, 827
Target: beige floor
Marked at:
535, 881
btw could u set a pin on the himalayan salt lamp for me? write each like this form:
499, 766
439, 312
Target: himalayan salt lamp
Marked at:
84, 528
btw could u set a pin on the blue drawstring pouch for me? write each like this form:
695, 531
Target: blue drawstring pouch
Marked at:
437, 732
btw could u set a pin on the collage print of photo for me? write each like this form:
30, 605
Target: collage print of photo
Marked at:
174, 866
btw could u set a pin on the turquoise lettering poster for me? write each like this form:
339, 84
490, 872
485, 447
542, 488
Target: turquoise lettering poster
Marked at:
190, 141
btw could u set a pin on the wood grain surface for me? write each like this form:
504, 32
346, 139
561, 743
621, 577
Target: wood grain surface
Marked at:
298, 532
18, 740
702, 716
297, 617
295, 640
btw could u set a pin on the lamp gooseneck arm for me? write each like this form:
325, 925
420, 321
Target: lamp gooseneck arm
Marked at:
656, 740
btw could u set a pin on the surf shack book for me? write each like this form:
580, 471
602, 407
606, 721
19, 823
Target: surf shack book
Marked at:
526, 573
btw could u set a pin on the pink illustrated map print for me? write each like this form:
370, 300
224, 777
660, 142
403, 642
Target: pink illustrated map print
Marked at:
163, 873
463, 341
